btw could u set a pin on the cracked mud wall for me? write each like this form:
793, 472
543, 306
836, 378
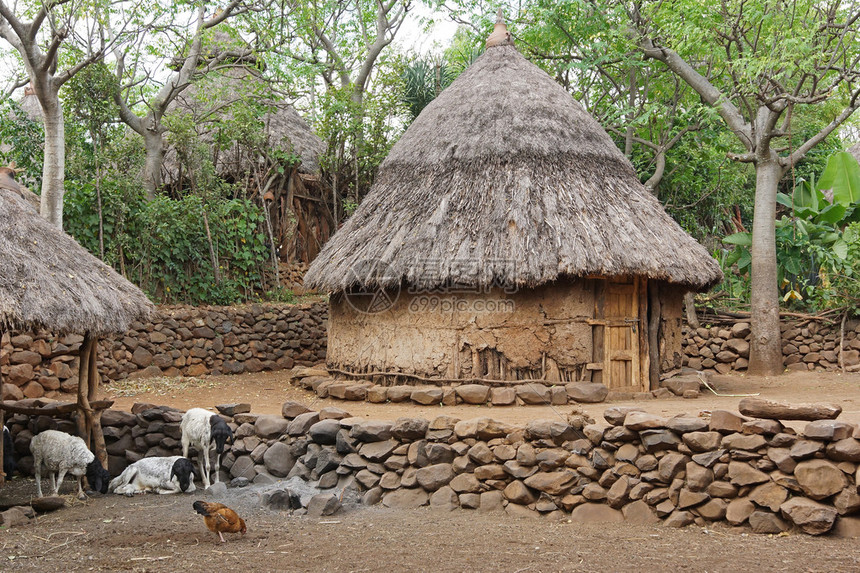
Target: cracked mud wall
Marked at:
534, 333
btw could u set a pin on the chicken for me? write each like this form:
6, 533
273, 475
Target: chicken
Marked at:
220, 519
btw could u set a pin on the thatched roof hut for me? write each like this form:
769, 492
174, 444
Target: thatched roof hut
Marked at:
49, 281
210, 100
508, 194
301, 217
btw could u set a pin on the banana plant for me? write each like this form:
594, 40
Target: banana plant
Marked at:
809, 241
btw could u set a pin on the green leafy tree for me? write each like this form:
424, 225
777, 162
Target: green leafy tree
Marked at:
55, 41
758, 65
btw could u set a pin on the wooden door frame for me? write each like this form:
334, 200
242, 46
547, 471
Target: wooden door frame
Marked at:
640, 358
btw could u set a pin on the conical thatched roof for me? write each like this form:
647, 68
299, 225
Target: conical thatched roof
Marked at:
47, 280
282, 124
505, 179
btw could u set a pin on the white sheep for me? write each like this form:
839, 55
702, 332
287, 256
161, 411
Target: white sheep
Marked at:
173, 474
63, 453
200, 428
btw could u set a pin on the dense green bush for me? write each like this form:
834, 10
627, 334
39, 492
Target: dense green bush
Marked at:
162, 245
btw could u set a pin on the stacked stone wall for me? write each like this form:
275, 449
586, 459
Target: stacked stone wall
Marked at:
806, 346
178, 341
636, 467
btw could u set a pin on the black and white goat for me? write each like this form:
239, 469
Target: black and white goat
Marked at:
63, 453
9, 464
201, 428
173, 474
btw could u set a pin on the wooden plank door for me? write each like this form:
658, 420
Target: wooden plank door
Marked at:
621, 337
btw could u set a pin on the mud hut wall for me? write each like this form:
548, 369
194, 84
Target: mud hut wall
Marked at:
640, 468
671, 334
178, 341
494, 335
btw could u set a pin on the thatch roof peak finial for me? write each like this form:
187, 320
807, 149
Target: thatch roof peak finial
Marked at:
500, 35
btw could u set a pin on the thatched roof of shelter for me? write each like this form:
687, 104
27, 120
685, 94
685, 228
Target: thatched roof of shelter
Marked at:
505, 179
210, 99
49, 281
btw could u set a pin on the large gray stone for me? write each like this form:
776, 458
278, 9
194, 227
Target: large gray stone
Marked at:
278, 459
444, 499
433, 477
473, 393
408, 429
465, 483
323, 504
533, 394
739, 510
378, 451
761, 408
812, 517
371, 431
554, 430
324, 431
819, 478
517, 492
769, 495
638, 421
702, 441
553, 483
302, 423
741, 473
404, 498
586, 392
767, 522
595, 513
615, 415
271, 426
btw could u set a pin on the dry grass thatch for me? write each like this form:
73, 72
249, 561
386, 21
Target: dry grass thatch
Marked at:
209, 102
47, 280
505, 178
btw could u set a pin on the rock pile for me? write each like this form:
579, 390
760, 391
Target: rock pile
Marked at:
641, 467
180, 341
812, 346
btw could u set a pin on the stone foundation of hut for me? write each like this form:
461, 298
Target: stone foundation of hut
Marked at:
632, 466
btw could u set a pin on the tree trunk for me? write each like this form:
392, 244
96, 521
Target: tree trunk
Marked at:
153, 142
765, 341
53, 169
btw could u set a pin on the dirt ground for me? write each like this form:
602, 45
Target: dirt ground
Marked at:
267, 391
162, 533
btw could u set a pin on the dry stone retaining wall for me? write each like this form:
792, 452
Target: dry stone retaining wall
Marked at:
807, 345
192, 341
179, 341
636, 467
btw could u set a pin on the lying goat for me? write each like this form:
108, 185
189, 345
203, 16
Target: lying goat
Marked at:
172, 474
200, 428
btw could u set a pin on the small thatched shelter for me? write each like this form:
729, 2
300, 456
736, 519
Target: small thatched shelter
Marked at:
301, 217
48, 281
506, 238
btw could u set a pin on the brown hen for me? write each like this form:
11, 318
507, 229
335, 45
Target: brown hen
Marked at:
220, 519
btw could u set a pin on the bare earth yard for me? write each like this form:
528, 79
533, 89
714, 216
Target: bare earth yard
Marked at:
162, 533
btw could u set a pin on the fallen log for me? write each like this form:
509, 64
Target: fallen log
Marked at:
770, 410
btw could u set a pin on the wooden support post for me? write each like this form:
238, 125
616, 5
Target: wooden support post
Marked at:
655, 315
98, 438
83, 383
